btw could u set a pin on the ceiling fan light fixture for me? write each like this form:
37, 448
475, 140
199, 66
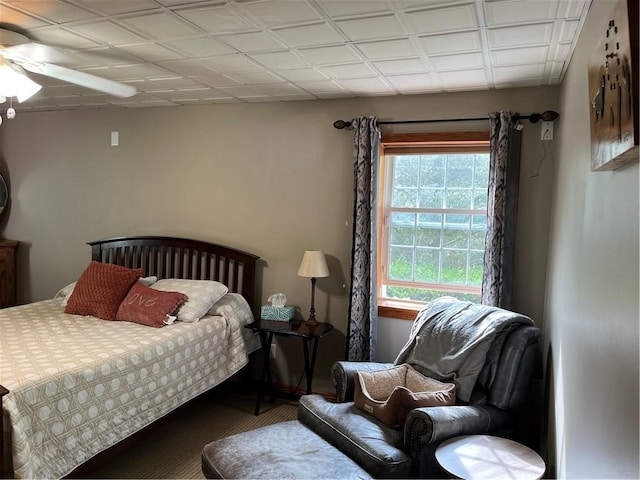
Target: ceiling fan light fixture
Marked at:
27, 90
14, 83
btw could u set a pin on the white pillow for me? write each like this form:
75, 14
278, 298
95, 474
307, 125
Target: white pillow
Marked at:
203, 294
148, 281
233, 304
66, 292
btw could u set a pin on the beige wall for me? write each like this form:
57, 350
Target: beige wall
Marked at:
272, 179
591, 313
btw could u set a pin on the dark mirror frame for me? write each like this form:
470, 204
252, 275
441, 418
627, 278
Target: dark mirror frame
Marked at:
4, 197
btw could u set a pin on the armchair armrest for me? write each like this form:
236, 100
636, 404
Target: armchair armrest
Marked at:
342, 376
426, 428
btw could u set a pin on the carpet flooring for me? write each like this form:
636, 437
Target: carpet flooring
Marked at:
172, 448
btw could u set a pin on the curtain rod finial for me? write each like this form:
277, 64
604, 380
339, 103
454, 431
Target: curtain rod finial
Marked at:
546, 116
340, 124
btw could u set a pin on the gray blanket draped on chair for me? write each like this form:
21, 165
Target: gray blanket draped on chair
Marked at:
453, 338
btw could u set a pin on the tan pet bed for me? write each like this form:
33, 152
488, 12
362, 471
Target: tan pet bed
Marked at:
390, 394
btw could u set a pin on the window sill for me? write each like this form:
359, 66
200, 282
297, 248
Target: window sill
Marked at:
400, 310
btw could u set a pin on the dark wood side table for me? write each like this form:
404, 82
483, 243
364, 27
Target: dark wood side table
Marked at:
309, 334
8, 273
3, 474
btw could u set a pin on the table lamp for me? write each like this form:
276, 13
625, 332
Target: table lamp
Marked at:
313, 266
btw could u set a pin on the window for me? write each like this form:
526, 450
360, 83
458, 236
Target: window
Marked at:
433, 218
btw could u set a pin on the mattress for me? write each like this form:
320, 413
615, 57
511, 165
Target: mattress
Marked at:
79, 385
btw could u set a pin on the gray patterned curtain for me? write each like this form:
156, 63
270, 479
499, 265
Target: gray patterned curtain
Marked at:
504, 170
361, 328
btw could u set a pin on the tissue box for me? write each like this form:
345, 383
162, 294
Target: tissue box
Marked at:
277, 313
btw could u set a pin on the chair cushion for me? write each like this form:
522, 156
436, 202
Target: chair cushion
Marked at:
389, 395
280, 451
374, 446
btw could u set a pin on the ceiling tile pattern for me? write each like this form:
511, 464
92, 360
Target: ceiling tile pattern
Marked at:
185, 52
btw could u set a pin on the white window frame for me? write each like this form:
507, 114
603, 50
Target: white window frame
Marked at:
398, 144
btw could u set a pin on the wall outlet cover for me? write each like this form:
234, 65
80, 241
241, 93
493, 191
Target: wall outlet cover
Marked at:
546, 131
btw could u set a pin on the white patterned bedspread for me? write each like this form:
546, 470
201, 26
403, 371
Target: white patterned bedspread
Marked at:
78, 385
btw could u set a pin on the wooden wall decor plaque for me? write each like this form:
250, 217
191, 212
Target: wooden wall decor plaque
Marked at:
613, 90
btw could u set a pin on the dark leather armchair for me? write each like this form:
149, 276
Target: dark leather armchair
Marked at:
499, 393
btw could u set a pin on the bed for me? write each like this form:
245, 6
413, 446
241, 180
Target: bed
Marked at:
79, 384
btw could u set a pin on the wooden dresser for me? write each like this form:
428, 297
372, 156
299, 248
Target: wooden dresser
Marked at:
8, 273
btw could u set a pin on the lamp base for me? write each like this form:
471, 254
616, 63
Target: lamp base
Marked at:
311, 321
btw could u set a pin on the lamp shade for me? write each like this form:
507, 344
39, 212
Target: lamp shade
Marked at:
313, 265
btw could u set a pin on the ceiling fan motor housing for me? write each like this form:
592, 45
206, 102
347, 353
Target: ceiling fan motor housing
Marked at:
9, 38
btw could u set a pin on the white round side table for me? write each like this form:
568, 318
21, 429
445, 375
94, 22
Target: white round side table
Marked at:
473, 457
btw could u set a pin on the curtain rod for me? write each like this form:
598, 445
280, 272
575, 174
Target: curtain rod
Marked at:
546, 116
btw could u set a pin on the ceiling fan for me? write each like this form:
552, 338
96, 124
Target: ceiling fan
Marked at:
19, 55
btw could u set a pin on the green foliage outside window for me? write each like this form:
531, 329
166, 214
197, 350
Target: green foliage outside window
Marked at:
423, 295
428, 272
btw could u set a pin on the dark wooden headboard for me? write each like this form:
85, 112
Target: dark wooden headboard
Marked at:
169, 257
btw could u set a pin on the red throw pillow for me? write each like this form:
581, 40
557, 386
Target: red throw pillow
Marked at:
101, 289
149, 306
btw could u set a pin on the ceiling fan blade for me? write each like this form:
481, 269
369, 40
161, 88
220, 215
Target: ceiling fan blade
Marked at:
76, 77
34, 52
